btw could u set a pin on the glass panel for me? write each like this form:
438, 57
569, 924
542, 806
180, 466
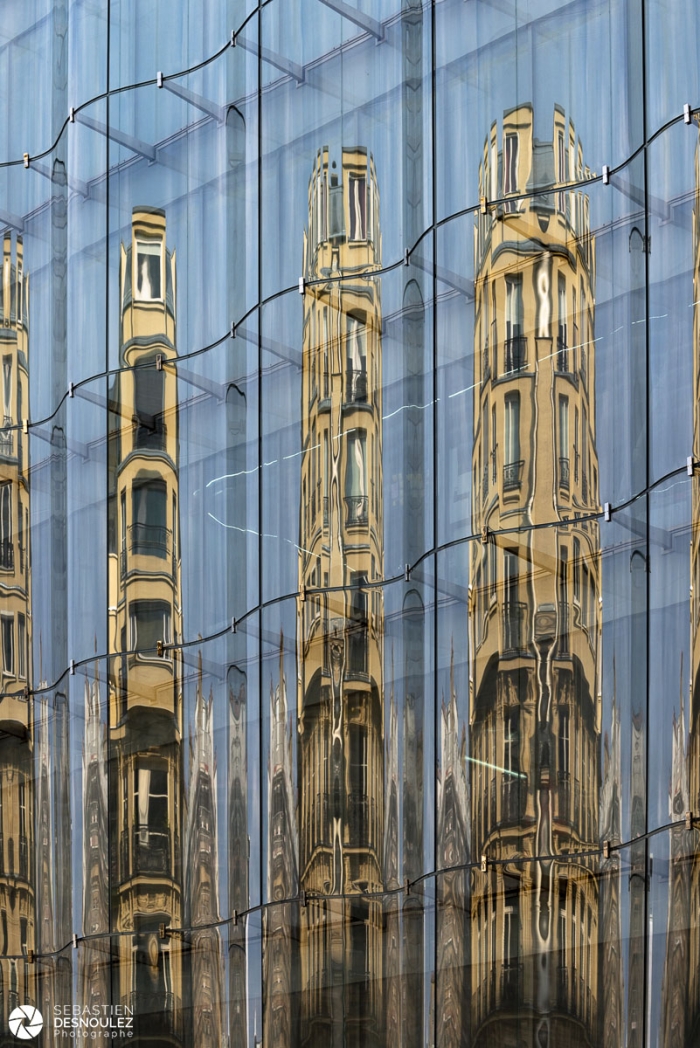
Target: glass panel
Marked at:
531, 126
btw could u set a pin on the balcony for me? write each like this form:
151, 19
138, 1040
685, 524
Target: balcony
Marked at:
6, 437
151, 852
151, 435
562, 355
512, 475
150, 540
511, 980
7, 555
355, 387
356, 507
155, 1012
515, 354
514, 627
564, 475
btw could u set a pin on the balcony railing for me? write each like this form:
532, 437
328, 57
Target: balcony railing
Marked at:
511, 978
514, 630
6, 436
355, 387
325, 511
24, 868
512, 475
155, 1011
361, 812
584, 485
151, 851
485, 483
356, 507
564, 795
564, 475
515, 353
563, 628
7, 555
150, 435
149, 540
512, 798
562, 355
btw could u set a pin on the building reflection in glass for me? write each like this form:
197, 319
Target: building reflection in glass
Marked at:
145, 683
340, 813
534, 603
18, 876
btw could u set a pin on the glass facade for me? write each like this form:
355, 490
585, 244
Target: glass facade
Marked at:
350, 523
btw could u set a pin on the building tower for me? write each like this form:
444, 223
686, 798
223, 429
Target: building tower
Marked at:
534, 596
340, 631
145, 621
18, 932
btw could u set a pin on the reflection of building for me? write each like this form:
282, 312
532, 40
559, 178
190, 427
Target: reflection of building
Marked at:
691, 1016
145, 689
453, 851
340, 633
18, 930
206, 975
534, 602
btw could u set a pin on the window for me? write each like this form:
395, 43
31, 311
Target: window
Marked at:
577, 570
358, 207
564, 442
149, 534
7, 390
511, 459
515, 343
149, 255
356, 478
21, 646
511, 766
356, 360
357, 627
151, 802
563, 743
7, 625
562, 344
149, 402
150, 623
510, 169
6, 547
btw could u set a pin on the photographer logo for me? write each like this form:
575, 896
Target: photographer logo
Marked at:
26, 1022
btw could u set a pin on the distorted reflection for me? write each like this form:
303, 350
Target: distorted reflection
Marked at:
18, 874
535, 611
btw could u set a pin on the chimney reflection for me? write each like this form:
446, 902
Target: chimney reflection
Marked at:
534, 602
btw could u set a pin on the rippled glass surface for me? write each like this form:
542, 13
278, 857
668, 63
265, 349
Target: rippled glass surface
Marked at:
349, 515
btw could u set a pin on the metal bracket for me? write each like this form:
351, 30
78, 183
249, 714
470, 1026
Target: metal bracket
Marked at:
607, 511
162, 931
26, 159
407, 573
30, 958
233, 38
75, 940
302, 593
71, 389
159, 79
302, 899
159, 649
606, 175
71, 115
301, 285
484, 864
406, 261
72, 667
407, 886
484, 535
687, 114
25, 425
234, 917
690, 465
233, 625
159, 362
689, 820
233, 329
606, 849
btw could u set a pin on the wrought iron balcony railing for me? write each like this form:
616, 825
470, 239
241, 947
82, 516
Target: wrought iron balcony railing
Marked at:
512, 475
356, 507
515, 354
564, 475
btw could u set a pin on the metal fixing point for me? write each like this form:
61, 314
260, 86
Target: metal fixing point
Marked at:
607, 510
301, 285
687, 113
606, 175
690, 465
159, 79
26, 159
